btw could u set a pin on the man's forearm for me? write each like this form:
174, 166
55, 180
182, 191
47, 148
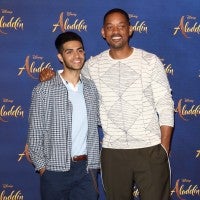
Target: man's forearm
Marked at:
166, 135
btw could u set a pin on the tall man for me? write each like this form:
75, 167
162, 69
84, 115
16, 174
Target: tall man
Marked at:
137, 114
63, 128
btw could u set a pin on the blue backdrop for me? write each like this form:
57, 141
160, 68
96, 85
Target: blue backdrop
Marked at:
28, 28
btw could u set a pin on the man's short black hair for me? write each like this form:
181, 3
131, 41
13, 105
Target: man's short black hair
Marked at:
117, 10
66, 37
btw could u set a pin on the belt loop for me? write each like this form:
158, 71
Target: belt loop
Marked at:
74, 157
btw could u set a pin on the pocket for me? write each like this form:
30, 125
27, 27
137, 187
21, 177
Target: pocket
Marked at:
158, 154
164, 149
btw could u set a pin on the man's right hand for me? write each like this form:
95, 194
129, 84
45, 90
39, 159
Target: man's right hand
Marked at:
41, 171
46, 74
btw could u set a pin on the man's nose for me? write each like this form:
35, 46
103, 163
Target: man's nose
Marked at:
115, 29
76, 54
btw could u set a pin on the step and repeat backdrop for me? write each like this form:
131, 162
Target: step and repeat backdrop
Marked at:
28, 28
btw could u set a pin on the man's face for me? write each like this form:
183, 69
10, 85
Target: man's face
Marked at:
72, 55
116, 31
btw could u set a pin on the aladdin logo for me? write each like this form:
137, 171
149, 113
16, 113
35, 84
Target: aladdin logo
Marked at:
198, 153
65, 23
187, 27
138, 26
10, 111
10, 22
187, 107
21, 155
8, 194
168, 68
184, 188
33, 65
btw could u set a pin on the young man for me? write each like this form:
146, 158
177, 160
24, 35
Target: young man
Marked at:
137, 114
63, 128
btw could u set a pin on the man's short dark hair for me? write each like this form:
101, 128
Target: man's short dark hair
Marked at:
66, 37
117, 10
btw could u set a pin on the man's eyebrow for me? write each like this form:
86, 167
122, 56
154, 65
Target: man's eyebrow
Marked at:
69, 49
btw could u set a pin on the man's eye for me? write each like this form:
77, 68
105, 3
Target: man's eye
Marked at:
109, 28
121, 27
68, 52
81, 51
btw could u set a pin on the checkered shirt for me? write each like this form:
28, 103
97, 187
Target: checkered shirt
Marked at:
50, 125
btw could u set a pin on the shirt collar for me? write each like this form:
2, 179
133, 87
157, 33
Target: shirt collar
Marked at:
66, 83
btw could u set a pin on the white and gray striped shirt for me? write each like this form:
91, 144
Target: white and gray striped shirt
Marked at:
135, 98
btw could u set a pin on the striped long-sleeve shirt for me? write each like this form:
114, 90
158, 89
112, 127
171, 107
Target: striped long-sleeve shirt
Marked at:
135, 98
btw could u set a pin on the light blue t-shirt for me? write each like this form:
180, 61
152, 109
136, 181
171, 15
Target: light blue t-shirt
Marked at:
79, 118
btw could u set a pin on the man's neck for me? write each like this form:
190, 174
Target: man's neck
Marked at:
120, 53
71, 76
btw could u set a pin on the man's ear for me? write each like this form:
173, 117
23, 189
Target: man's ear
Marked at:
60, 58
102, 32
130, 30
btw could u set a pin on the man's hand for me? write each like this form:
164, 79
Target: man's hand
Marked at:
46, 74
41, 171
27, 154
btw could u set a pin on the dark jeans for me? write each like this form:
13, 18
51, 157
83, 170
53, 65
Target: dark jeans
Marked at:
76, 184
